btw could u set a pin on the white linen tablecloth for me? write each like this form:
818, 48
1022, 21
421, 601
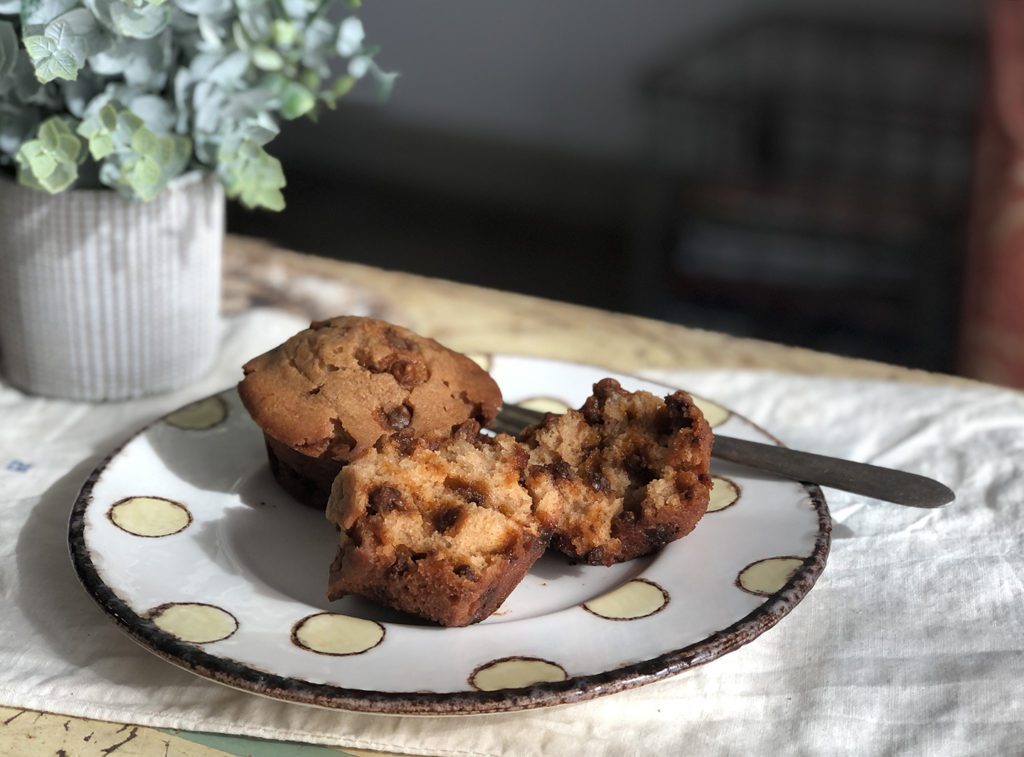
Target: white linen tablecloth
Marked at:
910, 643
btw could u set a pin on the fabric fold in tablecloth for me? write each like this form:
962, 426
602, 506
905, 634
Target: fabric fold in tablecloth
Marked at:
910, 643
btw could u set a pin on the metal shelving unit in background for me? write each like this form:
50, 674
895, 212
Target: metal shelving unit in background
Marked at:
806, 181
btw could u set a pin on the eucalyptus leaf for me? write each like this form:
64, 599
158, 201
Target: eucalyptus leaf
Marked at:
98, 130
259, 129
210, 32
36, 14
127, 20
205, 7
284, 33
255, 21
39, 161
155, 112
144, 142
142, 62
202, 64
208, 102
350, 37
183, 84
341, 87
50, 161
359, 66
249, 103
143, 176
310, 80
77, 28
153, 163
61, 50
140, 23
267, 59
385, 80
251, 175
296, 101
239, 37
300, 9
319, 42
230, 70
52, 61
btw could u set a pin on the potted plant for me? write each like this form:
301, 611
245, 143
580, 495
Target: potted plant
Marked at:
123, 123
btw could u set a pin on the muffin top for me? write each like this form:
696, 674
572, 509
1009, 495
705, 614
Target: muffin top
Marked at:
333, 389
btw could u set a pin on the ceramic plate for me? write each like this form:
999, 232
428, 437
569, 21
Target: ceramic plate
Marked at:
186, 541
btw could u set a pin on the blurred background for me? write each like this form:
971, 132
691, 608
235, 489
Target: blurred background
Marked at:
798, 172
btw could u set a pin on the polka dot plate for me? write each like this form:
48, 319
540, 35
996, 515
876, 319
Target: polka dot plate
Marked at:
187, 542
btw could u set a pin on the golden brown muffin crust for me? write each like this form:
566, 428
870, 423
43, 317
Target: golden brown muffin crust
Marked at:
333, 389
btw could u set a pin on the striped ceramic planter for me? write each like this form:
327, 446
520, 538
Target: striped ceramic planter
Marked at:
104, 298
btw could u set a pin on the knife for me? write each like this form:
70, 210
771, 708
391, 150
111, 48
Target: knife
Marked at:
888, 484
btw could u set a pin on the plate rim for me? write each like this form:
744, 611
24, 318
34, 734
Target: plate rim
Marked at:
249, 678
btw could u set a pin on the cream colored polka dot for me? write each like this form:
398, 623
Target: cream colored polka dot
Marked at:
714, 413
150, 516
200, 415
545, 405
516, 673
724, 494
766, 577
194, 621
329, 633
482, 359
636, 599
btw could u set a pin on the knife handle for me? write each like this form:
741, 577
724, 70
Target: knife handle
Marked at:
859, 478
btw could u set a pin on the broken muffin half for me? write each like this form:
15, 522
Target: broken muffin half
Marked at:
622, 476
439, 526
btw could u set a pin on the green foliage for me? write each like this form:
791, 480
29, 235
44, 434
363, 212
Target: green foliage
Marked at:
135, 159
153, 161
251, 175
149, 89
60, 51
100, 130
50, 161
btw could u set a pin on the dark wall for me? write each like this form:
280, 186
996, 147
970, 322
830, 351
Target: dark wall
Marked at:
518, 152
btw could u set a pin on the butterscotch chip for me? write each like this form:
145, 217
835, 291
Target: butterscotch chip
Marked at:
437, 526
622, 476
329, 392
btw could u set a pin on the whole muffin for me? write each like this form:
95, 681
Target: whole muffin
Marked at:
622, 476
329, 392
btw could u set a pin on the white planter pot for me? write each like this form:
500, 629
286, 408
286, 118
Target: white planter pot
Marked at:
104, 298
